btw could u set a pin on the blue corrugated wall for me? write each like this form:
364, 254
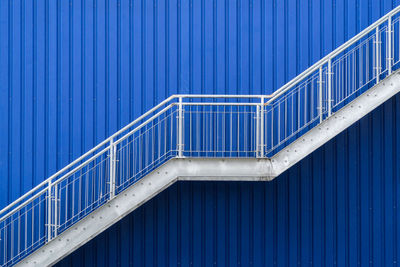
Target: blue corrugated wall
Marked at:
73, 72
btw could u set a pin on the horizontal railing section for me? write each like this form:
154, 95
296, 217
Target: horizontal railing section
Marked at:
199, 126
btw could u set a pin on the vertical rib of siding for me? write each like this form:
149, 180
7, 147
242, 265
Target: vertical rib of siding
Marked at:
35, 179
82, 77
22, 96
16, 100
106, 69
70, 80
10, 95
4, 99
143, 53
118, 64
96, 101
156, 98
395, 179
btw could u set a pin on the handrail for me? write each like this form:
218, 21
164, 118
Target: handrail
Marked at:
331, 55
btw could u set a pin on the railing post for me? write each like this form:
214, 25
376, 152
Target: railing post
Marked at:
112, 168
389, 46
55, 209
49, 213
320, 95
262, 127
377, 55
329, 83
179, 142
257, 131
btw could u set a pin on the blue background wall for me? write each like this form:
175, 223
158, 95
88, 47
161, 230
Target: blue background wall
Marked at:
73, 72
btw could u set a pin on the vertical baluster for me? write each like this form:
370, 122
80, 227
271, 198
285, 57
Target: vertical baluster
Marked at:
180, 129
6, 241
12, 235
3, 243
389, 45
329, 83
262, 127
26, 226
279, 123
33, 223
112, 169
377, 55
257, 131
49, 215
231, 131
55, 209
190, 131
320, 95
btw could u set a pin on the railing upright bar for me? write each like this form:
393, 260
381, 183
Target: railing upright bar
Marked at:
329, 84
389, 45
320, 95
262, 127
258, 143
180, 129
49, 215
112, 168
55, 209
377, 55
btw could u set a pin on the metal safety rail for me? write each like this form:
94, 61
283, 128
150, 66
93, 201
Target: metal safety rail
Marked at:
332, 82
180, 126
199, 126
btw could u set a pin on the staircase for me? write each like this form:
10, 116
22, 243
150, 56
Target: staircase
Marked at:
202, 137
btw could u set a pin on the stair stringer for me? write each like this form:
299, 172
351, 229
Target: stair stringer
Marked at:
223, 169
334, 125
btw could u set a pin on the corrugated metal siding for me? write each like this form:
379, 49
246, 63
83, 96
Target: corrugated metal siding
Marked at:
72, 72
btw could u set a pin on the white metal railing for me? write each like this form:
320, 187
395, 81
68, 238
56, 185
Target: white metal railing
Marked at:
96, 177
332, 82
199, 126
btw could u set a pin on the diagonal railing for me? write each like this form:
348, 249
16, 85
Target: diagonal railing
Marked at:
199, 126
332, 82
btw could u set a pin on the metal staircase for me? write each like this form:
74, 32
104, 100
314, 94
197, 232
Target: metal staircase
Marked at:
202, 137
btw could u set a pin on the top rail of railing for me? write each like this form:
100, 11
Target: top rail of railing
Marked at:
172, 100
332, 55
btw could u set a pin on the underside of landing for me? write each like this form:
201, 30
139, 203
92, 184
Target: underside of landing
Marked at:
241, 169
